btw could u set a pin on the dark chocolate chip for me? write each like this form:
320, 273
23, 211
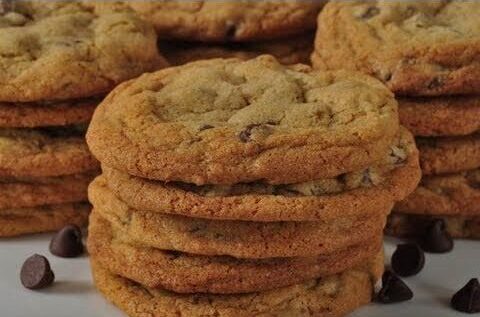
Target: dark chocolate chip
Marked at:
206, 127
467, 299
67, 243
247, 132
436, 239
36, 272
231, 32
393, 290
370, 13
408, 259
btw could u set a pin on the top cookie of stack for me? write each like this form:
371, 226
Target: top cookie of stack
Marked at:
57, 60
246, 178
196, 30
428, 53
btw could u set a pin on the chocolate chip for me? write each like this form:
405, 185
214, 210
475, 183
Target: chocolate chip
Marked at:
67, 243
393, 290
36, 272
205, 127
247, 132
436, 239
467, 299
408, 259
435, 83
370, 13
231, 31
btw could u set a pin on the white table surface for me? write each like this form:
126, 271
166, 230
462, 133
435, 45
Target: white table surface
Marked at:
74, 295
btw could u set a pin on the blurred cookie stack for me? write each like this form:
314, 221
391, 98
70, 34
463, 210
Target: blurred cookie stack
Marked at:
57, 60
428, 54
195, 30
235, 188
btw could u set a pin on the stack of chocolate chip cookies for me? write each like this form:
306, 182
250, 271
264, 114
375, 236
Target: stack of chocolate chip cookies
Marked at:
245, 188
195, 30
427, 53
57, 60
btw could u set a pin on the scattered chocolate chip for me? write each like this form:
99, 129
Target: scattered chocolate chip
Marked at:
247, 132
467, 299
435, 83
370, 13
231, 31
67, 243
205, 127
408, 259
36, 272
393, 290
436, 238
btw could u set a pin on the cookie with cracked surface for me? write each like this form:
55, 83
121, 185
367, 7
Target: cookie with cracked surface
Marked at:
458, 226
227, 21
449, 154
189, 273
336, 295
63, 49
19, 221
287, 51
42, 114
225, 121
416, 47
440, 116
450, 194
348, 195
31, 192
44, 152
241, 239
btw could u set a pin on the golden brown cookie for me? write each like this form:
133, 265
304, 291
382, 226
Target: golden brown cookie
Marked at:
440, 116
415, 47
449, 154
44, 152
189, 273
226, 121
320, 200
31, 192
288, 51
71, 49
450, 194
241, 239
223, 21
42, 114
14, 222
458, 226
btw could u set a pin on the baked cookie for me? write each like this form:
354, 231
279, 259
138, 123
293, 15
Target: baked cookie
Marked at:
287, 51
31, 192
42, 114
225, 121
440, 116
71, 49
241, 239
449, 154
338, 295
425, 48
324, 200
451, 194
224, 21
188, 273
14, 222
458, 226
44, 152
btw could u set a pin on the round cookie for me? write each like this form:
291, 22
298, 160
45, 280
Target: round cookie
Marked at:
188, 273
14, 222
422, 48
240, 239
287, 51
224, 21
42, 114
64, 50
31, 192
440, 116
338, 295
225, 121
450, 194
458, 226
44, 152
320, 200
449, 154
